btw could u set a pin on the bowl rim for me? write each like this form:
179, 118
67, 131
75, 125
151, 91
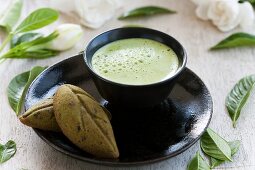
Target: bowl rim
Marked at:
179, 70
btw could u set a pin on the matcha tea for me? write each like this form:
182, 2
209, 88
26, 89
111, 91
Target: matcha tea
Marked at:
135, 61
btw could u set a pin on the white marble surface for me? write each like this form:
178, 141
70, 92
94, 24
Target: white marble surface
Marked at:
219, 70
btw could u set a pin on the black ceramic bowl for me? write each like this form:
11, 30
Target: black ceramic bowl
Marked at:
134, 95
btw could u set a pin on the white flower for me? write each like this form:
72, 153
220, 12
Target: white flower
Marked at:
225, 14
92, 13
68, 36
65, 6
202, 8
246, 15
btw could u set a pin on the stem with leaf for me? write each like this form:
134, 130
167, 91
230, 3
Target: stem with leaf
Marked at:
6, 41
2, 60
32, 49
36, 20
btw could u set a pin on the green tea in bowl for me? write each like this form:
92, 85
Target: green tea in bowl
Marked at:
135, 61
134, 67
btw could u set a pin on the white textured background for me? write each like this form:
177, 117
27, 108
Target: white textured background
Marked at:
219, 70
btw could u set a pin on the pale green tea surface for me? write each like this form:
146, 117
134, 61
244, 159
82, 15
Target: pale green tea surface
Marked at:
135, 61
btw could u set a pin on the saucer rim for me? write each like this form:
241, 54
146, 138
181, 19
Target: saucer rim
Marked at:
111, 162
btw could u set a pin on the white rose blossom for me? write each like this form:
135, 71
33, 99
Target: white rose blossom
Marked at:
202, 8
226, 14
91, 13
247, 15
68, 36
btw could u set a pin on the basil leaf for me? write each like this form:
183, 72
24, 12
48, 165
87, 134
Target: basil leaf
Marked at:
234, 146
198, 163
215, 162
28, 49
40, 54
7, 151
18, 39
37, 19
11, 15
18, 86
238, 96
235, 40
145, 11
215, 146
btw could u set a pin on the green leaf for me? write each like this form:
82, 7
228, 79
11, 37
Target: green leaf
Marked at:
145, 11
40, 53
7, 151
26, 37
18, 86
236, 40
215, 146
37, 19
33, 49
11, 15
238, 96
198, 163
234, 146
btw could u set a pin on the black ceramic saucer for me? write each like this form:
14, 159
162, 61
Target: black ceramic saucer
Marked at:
142, 135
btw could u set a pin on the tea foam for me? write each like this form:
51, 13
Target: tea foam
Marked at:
135, 61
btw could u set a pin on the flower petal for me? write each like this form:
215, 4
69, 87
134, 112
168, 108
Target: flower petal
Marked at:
68, 36
202, 9
246, 15
224, 14
95, 13
198, 2
65, 6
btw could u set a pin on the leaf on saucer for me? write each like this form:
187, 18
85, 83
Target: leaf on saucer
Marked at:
215, 146
238, 96
235, 40
198, 163
18, 87
145, 11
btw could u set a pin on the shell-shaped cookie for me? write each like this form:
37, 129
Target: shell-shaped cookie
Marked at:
41, 116
84, 121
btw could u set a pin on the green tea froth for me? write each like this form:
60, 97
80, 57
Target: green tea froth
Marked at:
135, 61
